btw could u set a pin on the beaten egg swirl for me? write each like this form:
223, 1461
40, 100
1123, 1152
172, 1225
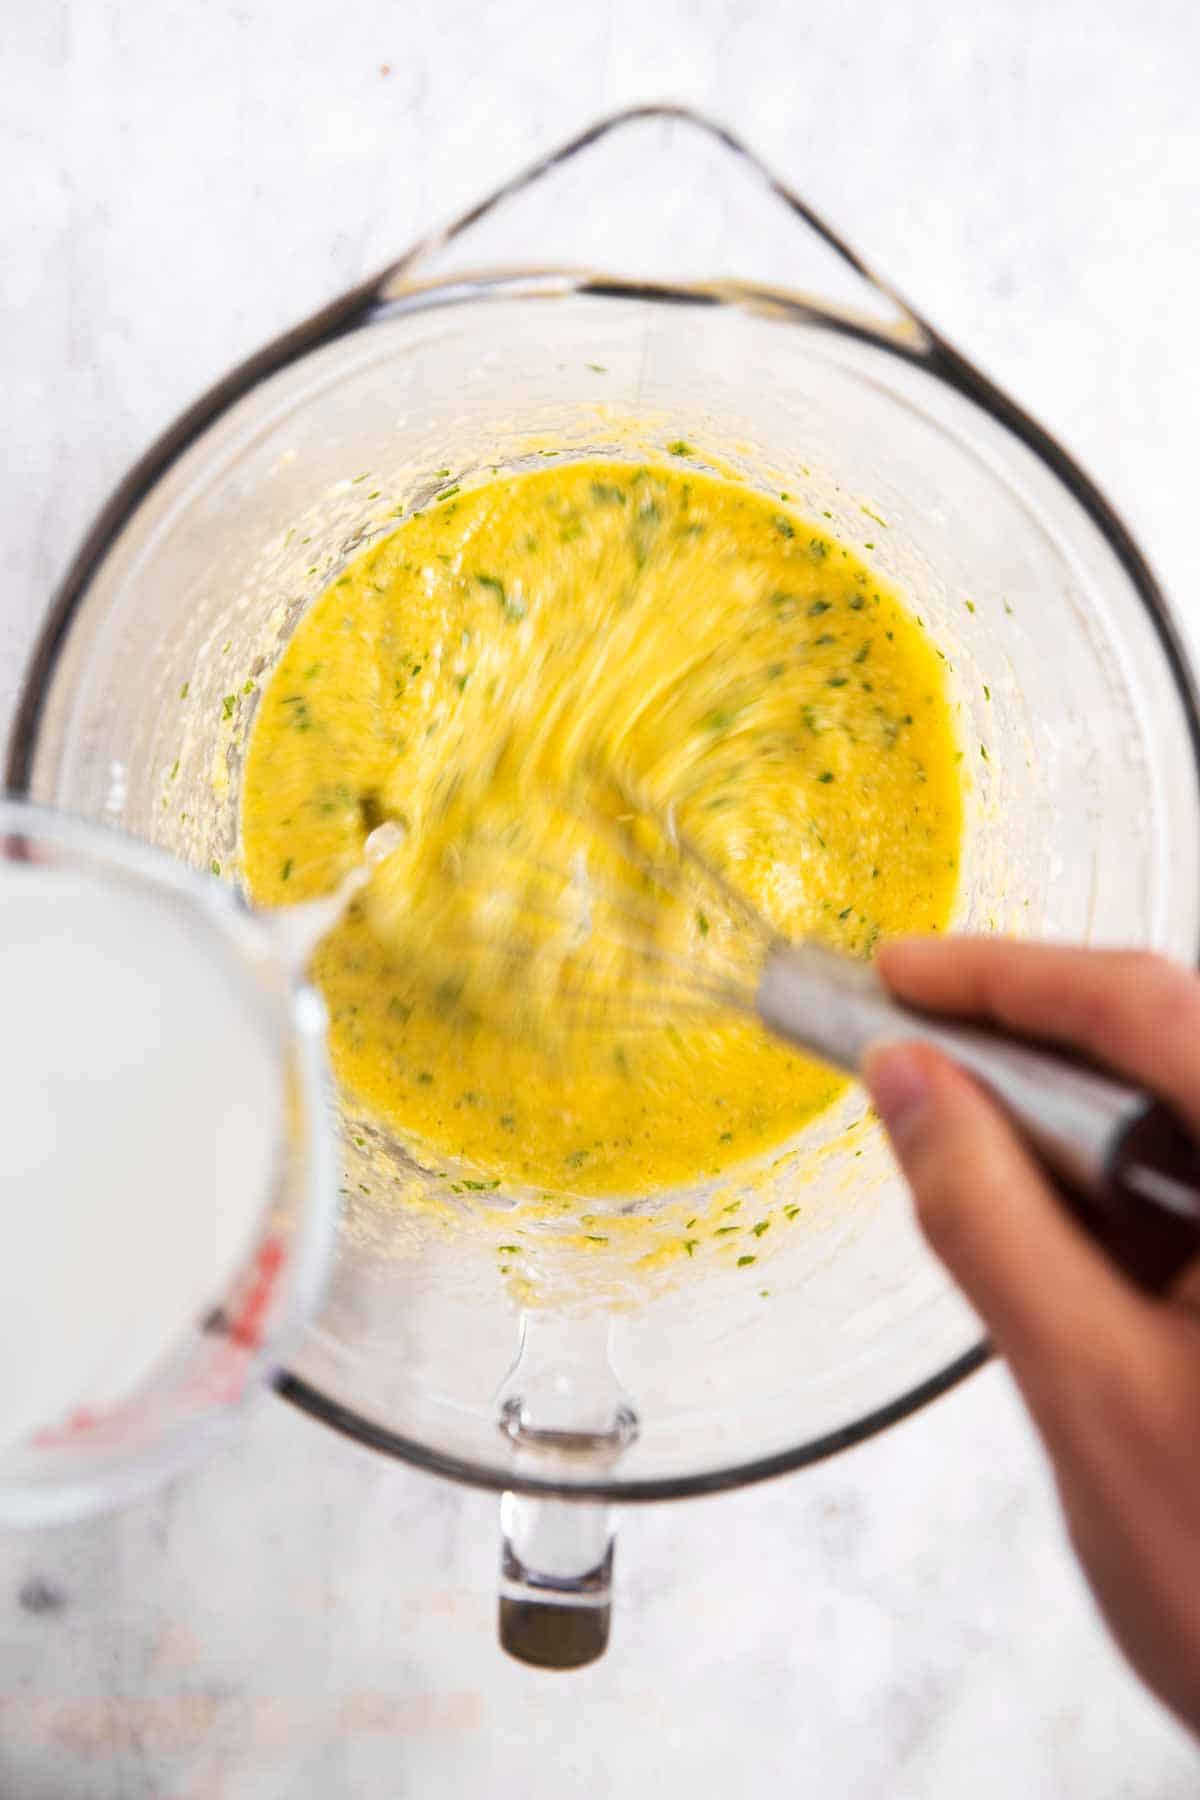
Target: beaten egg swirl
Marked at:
743, 666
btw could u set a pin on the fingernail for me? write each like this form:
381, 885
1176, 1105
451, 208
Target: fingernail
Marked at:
899, 1085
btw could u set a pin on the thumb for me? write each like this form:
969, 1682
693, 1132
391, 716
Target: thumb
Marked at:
1049, 1297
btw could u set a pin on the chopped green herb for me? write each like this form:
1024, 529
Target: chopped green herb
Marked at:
596, 368
183, 692
215, 866
174, 769
591, 1238
508, 1249
607, 493
681, 447
743, 1262
784, 527
512, 609
970, 605
720, 719
763, 1225
448, 493
689, 1245
987, 692
227, 706
983, 753
818, 607
826, 775
285, 875
701, 918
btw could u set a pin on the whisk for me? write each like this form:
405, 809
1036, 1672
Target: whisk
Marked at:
547, 927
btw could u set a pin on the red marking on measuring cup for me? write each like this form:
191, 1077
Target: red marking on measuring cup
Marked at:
102, 1429
82, 1419
225, 1378
246, 1329
221, 1380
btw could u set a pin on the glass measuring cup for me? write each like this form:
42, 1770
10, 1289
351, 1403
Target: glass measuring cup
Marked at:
627, 1369
147, 1320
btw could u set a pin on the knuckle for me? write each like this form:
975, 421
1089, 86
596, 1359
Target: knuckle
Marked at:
1137, 979
940, 1195
941, 1224
1149, 972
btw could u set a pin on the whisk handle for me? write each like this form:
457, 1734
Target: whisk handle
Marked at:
1108, 1142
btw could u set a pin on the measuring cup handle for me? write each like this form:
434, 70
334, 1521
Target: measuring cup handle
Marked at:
556, 1561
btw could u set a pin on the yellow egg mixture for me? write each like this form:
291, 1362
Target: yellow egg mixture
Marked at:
726, 659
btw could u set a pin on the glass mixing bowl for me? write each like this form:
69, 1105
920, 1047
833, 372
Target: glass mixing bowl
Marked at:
466, 1333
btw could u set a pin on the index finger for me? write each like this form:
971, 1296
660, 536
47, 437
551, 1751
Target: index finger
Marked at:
1130, 1009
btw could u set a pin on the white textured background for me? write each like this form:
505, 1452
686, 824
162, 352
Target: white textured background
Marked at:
300, 1619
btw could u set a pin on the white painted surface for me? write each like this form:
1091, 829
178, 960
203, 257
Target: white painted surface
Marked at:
301, 1619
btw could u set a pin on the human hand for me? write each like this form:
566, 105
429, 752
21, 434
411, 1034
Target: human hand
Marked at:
1110, 1375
